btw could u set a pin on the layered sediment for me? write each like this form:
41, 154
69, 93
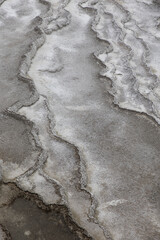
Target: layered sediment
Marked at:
80, 118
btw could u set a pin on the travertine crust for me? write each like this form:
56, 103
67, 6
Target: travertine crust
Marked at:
80, 111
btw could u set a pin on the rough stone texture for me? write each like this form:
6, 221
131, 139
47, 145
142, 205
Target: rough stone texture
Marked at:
2, 234
17, 23
80, 117
25, 216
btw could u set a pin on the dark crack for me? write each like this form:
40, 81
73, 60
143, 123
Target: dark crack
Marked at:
57, 215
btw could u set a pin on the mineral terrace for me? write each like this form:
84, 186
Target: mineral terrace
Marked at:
80, 120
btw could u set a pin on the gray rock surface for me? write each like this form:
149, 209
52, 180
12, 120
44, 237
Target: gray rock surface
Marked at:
80, 112
2, 234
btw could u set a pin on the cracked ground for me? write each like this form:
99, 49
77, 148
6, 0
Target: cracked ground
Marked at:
79, 120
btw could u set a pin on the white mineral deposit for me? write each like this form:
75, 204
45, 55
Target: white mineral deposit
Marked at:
80, 119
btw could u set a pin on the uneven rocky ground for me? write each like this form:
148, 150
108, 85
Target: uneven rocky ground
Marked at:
80, 115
